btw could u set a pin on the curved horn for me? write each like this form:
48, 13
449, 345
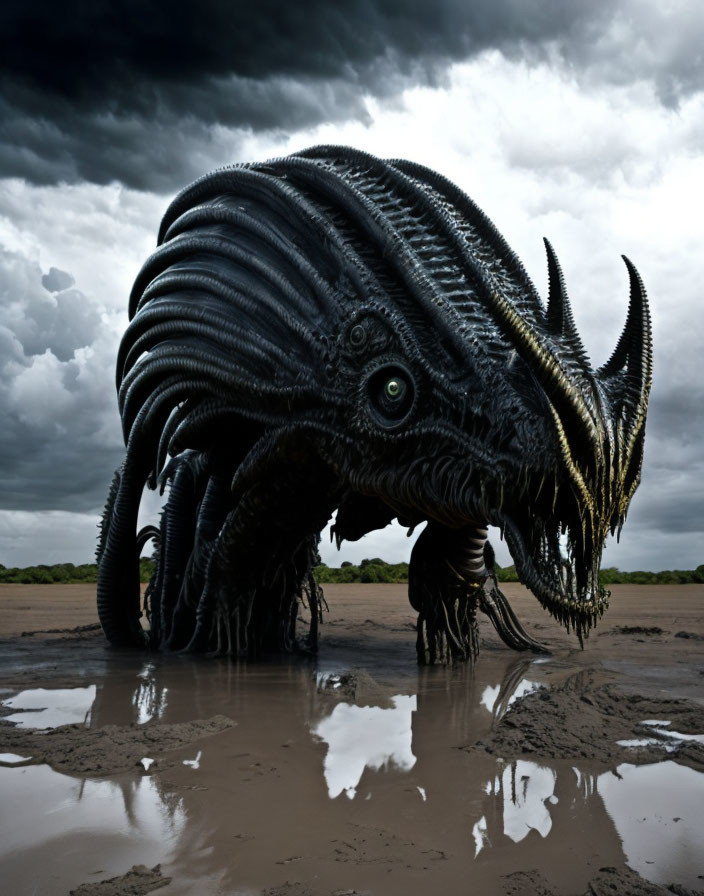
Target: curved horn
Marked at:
559, 313
634, 348
568, 399
640, 362
631, 363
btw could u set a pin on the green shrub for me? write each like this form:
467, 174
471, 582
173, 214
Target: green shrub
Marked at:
369, 571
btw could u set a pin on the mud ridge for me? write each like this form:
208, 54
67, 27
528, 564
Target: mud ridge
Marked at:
608, 882
75, 749
581, 719
138, 881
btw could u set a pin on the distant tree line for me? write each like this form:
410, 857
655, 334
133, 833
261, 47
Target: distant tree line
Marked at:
612, 576
377, 570
374, 570
63, 574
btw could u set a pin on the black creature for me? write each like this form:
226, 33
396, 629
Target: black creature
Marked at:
333, 332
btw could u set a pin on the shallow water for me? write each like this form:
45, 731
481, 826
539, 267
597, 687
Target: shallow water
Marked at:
657, 811
52, 825
366, 737
50, 707
366, 794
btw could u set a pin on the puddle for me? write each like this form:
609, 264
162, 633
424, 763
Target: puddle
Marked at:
328, 679
337, 791
497, 702
662, 734
150, 700
636, 742
522, 788
192, 763
10, 759
51, 707
657, 810
365, 737
101, 827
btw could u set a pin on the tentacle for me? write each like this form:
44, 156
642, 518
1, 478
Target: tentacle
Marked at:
107, 515
259, 568
188, 478
211, 515
444, 590
496, 606
118, 574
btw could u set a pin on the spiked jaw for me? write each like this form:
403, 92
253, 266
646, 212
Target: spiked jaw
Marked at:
598, 425
556, 561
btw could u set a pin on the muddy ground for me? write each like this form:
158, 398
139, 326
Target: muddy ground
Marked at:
581, 772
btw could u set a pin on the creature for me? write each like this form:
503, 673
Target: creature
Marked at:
330, 331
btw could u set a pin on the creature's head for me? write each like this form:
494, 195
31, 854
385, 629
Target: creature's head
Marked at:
372, 309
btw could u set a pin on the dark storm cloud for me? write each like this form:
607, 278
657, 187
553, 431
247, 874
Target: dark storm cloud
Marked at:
59, 427
87, 52
56, 280
133, 91
164, 147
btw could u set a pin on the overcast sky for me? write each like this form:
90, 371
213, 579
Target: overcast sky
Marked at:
583, 122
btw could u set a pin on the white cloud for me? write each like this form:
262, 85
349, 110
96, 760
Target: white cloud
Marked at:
59, 428
101, 235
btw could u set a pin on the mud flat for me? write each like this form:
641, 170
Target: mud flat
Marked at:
578, 772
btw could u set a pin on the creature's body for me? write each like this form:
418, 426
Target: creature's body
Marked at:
330, 331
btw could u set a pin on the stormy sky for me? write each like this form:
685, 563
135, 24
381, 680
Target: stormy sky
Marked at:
581, 122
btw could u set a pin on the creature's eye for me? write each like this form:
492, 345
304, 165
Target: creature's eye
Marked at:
391, 394
358, 336
394, 389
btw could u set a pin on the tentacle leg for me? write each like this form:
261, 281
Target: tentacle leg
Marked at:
452, 575
260, 568
495, 604
444, 590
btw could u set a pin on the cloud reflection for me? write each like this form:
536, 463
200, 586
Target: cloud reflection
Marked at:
360, 737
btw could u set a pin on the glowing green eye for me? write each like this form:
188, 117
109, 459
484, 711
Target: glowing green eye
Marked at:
393, 388
390, 392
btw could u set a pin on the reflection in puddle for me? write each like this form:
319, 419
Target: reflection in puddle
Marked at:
662, 734
525, 788
657, 810
360, 737
131, 816
658, 727
497, 703
586, 784
177, 816
10, 759
325, 679
51, 707
149, 700
481, 837
194, 763
646, 742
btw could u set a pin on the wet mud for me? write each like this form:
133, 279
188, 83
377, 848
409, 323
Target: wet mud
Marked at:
580, 772
138, 881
